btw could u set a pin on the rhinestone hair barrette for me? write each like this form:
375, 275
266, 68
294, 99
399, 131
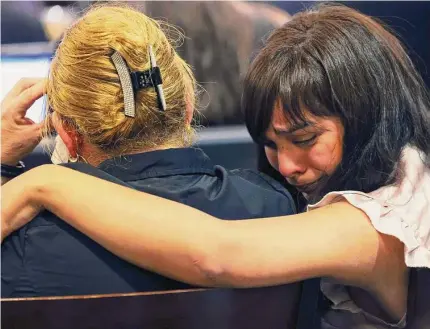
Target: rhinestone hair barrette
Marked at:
131, 82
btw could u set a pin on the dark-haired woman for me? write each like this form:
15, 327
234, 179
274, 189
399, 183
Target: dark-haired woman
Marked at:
343, 117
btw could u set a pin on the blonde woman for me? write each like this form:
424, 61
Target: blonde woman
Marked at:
121, 101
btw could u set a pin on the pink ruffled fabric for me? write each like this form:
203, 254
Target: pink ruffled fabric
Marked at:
401, 210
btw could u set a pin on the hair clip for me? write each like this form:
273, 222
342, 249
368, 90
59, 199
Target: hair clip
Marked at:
159, 82
131, 82
126, 84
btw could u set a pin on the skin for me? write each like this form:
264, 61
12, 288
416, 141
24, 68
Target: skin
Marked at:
336, 241
303, 155
80, 148
15, 125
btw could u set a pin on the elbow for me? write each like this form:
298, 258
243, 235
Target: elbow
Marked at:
220, 267
210, 271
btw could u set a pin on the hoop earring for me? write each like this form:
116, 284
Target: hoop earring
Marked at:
73, 159
76, 158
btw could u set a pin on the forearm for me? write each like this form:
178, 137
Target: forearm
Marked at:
149, 231
158, 234
185, 244
4, 229
178, 241
4, 225
4, 232
17, 208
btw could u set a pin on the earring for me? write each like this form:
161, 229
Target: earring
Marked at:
73, 159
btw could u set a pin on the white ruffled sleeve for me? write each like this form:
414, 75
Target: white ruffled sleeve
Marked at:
401, 210
413, 231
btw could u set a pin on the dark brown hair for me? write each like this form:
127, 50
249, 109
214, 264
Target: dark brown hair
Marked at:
339, 62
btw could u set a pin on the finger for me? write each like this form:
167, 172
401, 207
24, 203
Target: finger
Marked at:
38, 133
33, 133
28, 121
28, 97
22, 85
39, 127
36, 126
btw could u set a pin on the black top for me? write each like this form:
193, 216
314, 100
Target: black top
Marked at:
48, 257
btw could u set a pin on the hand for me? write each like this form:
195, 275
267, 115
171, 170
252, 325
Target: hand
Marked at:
20, 135
17, 203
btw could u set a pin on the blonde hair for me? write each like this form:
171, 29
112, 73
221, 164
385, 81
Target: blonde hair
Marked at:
85, 91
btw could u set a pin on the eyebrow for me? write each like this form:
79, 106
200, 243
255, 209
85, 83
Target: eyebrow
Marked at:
292, 129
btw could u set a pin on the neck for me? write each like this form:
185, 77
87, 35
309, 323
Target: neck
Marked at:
94, 156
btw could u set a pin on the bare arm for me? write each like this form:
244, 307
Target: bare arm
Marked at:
178, 241
189, 245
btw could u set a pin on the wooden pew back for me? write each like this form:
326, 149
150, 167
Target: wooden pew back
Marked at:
272, 307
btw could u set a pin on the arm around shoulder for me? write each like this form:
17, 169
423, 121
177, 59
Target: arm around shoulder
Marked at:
186, 244
336, 241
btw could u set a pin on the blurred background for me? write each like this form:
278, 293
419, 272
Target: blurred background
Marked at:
221, 39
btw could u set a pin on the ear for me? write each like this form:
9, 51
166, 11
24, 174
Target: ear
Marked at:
69, 136
189, 112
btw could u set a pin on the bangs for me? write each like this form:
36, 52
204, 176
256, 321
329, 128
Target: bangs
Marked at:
298, 81
260, 92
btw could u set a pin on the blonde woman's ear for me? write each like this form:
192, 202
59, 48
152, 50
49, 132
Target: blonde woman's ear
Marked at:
189, 113
69, 137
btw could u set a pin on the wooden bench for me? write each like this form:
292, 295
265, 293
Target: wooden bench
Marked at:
259, 308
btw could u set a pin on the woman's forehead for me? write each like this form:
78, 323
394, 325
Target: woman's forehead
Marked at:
281, 120
282, 124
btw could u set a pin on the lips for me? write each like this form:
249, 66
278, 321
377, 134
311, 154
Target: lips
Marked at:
308, 188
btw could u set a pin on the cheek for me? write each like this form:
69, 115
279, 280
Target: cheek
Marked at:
324, 158
272, 157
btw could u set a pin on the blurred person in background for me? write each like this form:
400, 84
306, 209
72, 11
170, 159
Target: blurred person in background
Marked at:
221, 37
37, 21
20, 22
218, 51
59, 15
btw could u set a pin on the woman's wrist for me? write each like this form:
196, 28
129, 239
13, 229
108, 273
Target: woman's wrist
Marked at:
35, 184
23, 198
40, 181
4, 180
9, 172
5, 231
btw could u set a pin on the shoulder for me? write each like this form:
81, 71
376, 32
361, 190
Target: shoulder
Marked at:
261, 179
269, 189
48, 220
93, 171
401, 210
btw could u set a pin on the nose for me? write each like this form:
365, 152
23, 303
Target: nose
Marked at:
290, 164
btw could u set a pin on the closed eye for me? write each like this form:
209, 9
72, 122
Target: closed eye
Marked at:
305, 142
270, 144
